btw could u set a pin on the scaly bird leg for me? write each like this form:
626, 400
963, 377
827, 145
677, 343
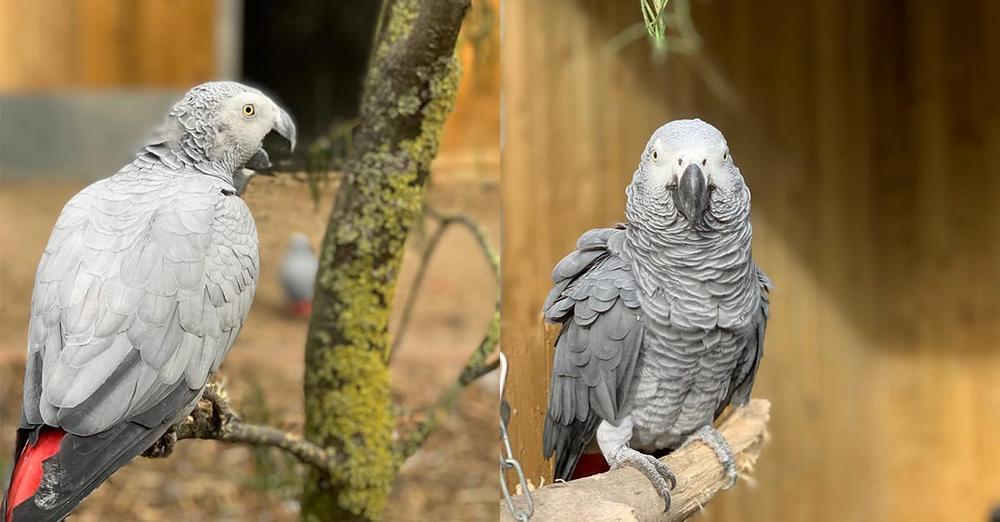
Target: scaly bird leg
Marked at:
657, 472
613, 441
713, 439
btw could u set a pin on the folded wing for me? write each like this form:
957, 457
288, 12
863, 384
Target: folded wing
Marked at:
595, 297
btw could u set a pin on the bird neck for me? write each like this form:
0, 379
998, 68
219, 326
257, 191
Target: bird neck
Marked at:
174, 156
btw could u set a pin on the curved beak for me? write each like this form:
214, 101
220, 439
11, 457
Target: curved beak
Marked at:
285, 127
280, 142
692, 196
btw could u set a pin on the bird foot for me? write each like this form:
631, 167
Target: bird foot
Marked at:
163, 447
713, 439
657, 472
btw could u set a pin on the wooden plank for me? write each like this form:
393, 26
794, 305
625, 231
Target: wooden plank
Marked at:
524, 272
53, 44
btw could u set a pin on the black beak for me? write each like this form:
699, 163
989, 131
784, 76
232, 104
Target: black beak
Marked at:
691, 197
259, 161
285, 127
279, 143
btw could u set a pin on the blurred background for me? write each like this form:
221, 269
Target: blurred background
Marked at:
82, 82
869, 134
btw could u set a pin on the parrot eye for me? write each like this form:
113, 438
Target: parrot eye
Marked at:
654, 155
725, 156
248, 110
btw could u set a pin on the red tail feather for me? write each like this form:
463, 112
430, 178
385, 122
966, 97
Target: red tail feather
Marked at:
28, 470
590, 464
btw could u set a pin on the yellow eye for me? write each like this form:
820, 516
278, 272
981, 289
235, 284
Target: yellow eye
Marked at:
248, 110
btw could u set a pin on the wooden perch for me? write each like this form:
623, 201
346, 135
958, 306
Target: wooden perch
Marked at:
626, 495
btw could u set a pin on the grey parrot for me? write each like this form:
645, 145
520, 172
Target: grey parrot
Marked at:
142, 288
298, 274
663, 317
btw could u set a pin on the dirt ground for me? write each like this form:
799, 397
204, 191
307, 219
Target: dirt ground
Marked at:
454, 477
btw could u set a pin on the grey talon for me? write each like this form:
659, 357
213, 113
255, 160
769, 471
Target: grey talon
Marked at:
713, 439
662, 479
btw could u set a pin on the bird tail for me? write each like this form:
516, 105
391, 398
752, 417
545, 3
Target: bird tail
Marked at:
55, 470
568, 442
27, 473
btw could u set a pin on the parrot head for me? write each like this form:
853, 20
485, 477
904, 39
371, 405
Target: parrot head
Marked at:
229, 124
687, 173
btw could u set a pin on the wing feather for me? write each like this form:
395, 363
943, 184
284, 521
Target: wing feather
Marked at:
594, 299
139, 293
741, 382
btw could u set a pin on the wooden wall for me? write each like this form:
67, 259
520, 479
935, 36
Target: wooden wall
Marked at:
53, 44
869, 133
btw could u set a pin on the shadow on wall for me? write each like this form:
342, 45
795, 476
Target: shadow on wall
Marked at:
870, 153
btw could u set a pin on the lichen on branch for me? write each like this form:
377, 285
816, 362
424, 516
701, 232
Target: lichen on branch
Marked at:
410, 89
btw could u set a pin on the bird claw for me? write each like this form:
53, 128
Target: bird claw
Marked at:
163, 447
657, 472
713, 439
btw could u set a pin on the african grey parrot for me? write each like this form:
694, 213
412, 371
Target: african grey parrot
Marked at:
144, 284
663, 317
298, 274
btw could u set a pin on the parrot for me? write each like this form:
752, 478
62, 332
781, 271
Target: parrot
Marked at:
662, 317
298, 273
142, 288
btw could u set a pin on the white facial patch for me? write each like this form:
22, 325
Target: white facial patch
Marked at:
659, 166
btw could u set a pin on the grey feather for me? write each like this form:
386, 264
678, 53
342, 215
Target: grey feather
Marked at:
596, 350
146, 307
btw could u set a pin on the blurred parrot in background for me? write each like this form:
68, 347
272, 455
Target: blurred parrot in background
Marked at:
298, 274
143, 287
663, 317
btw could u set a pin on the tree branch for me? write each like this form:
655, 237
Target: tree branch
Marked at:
625, 494
213, 419
477, 231
475, 368
445, 220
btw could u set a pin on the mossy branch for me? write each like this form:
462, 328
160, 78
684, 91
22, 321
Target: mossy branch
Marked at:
475, 368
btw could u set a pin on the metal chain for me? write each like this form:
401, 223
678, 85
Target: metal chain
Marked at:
507, 460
